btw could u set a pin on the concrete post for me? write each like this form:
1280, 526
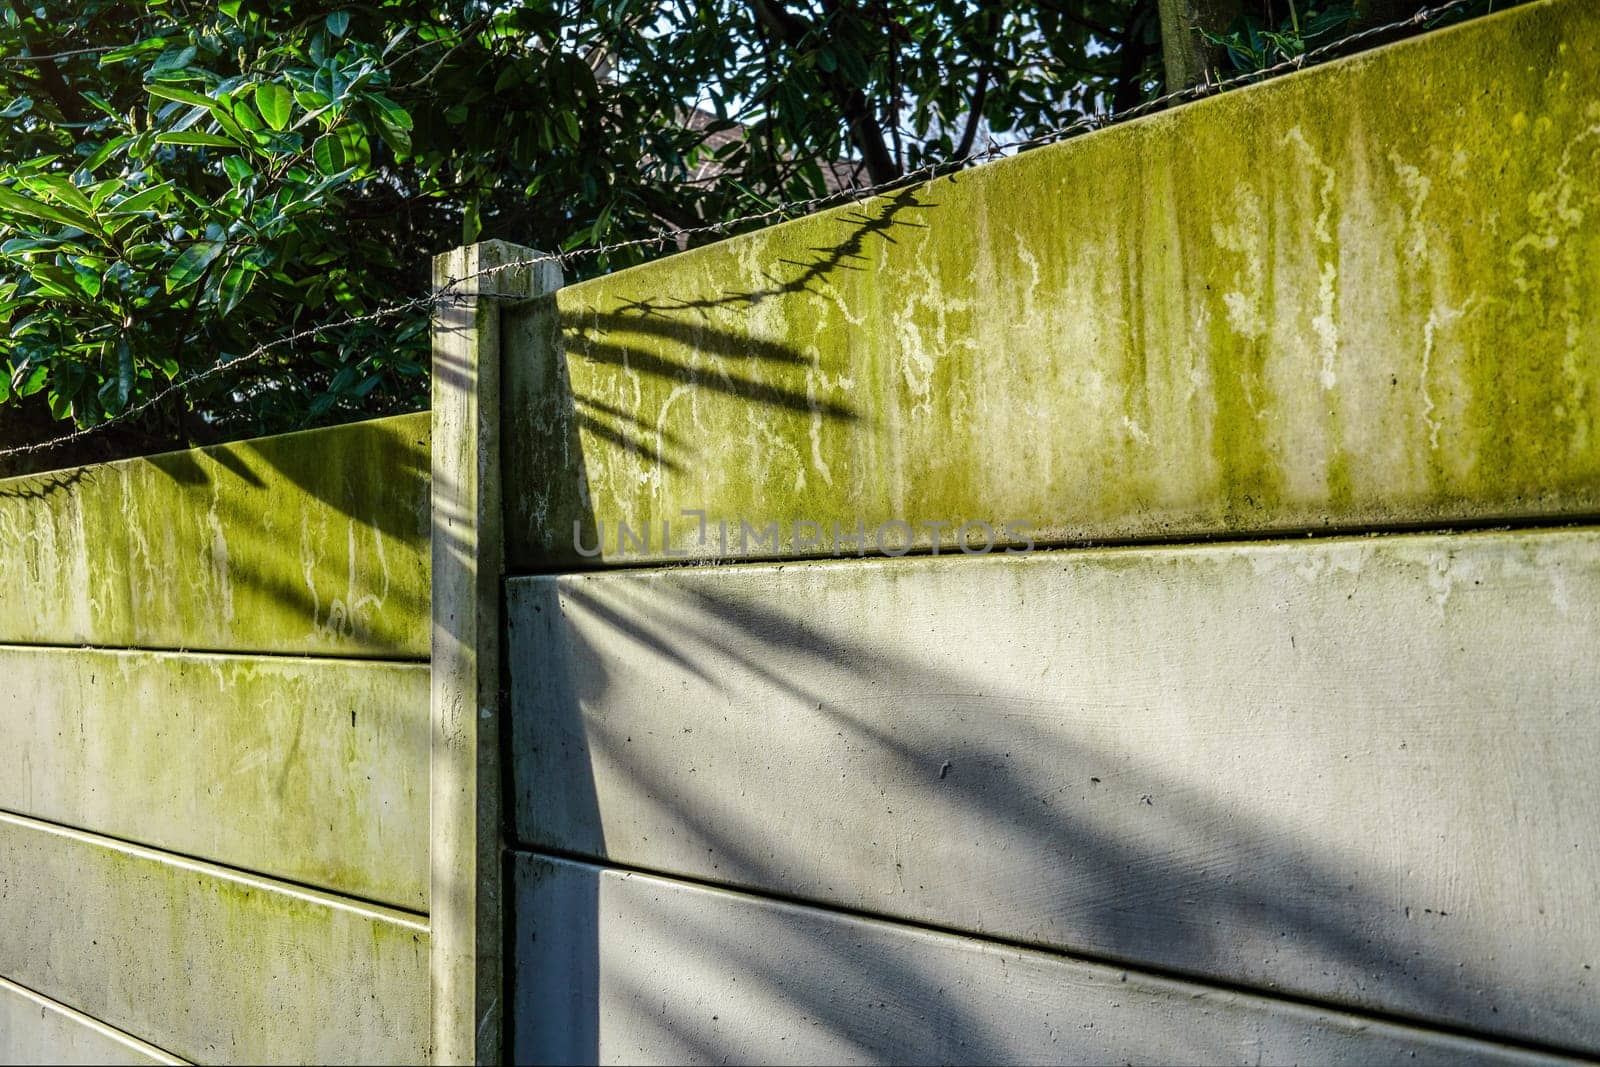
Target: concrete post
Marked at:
465, 833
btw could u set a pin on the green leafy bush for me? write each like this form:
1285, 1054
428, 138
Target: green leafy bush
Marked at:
183, 198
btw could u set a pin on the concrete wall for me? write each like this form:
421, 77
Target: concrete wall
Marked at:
1212, 791
1355, 771
1357, 297
35, 1029
1254, 797
691, 974
214, 754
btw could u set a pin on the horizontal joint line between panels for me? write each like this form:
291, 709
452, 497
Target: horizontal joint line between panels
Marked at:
1242, 539
1209, 981
372, 909
120, 1036
320, 656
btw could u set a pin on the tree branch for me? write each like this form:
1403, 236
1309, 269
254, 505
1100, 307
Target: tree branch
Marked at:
865, 130
1100, 30
985, 72
50, 79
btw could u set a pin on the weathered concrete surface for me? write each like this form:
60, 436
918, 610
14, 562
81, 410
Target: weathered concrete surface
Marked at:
308, 769
466, 839
35, 1029
313, 542
210, 964
1359, 770
1361, 295
314, 770
618, 968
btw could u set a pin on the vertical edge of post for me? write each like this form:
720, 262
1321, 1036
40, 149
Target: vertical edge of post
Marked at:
466, 971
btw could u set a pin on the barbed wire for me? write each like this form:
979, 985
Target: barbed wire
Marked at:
51, 57
450, 291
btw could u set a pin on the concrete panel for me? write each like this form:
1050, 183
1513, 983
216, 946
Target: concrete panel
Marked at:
1361, 295
314, 770
313, 542
210, 964
618, 968
35, 1029
1359, 770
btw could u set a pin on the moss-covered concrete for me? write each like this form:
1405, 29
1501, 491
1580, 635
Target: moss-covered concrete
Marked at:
314, 770
314, 542
210, 964
1362, 295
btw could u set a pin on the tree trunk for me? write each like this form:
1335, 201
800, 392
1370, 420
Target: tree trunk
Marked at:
851, 101
1189, 56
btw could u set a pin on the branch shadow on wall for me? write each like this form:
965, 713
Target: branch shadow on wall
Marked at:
549, 428
1000, 772
1140, 900
228, 547
325, 525
658, 342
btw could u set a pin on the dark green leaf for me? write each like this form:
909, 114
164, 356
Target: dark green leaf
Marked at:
132, 51
184, 96
192, 264
275, 103
328, 154
98, 157
236, 282
569, 127
239, 169
29, 378
58, 188
195, 138
143, 200
100, 192
23, 205
176, 57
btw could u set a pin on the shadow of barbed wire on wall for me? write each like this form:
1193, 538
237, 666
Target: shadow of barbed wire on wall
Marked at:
870, 220
1001, 770
552, 426
40, 486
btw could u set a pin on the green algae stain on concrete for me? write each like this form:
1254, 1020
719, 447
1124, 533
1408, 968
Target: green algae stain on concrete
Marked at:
312, 542
208, 963
1362, 295
314, 770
